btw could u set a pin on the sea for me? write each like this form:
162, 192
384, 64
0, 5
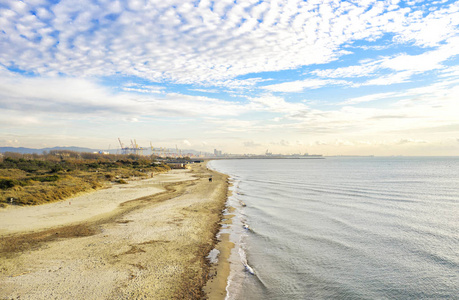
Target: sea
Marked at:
343, 228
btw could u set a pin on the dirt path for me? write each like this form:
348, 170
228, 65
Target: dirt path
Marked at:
83, 207
151, 248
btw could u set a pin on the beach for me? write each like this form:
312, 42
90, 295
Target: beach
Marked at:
145, 240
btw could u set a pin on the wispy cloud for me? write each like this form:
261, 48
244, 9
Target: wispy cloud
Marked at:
368, 98
71, 96
142, 88
401, 67
301, 85
275, 104
251, 144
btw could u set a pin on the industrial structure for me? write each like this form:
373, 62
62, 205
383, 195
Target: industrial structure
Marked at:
134, 149
162, 152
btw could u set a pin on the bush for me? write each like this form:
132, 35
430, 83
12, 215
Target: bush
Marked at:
7, 183
109, 177
49, 178
93, 165
56, 168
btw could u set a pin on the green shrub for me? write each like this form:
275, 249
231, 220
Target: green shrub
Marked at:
109, 177
49, 178
56, 168
7, 183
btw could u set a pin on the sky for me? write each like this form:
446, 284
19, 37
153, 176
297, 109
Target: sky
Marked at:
355, 77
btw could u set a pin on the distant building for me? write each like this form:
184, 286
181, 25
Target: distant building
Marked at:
217, 152
102, 152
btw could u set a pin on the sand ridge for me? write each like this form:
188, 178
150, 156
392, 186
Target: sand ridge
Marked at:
155, 249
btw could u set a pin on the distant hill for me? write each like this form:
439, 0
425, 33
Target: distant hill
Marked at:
23, 150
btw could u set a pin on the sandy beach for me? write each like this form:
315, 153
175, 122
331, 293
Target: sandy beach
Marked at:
144, 240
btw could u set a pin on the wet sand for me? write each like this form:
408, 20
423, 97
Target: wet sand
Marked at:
146, 240
215, 287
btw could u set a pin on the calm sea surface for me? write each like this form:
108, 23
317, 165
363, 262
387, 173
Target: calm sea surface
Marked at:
344, 228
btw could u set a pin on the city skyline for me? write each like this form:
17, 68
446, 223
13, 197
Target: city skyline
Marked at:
326, 77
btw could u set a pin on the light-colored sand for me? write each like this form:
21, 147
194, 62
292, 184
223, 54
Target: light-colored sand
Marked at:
83, 207
152, 252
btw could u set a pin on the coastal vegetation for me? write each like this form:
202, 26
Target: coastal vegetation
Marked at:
31, 179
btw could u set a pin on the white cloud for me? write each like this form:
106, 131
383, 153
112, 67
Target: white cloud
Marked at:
251, 144
368, 98
282, 142
401, 66
232, 125
409, 141
423, 110
209, 43
450, 72
365, 69
431, 29
10, 142
301, 85
236, 83
69, 46
276, 104
131, 119
32, 101
390, 79
427, 61
16, 119
341, 142
84, 98
142, 88
205, 90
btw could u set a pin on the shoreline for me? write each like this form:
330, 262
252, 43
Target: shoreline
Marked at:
152, 246
215, 287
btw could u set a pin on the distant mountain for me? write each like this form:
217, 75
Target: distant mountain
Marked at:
23, 150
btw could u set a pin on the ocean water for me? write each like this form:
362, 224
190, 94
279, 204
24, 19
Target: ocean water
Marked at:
344, 228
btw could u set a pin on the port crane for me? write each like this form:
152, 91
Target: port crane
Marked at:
135, 149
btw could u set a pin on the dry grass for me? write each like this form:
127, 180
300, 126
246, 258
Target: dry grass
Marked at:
37, 179
14, 173
46, 192
69, 184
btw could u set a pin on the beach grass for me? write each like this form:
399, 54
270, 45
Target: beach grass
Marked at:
38, 179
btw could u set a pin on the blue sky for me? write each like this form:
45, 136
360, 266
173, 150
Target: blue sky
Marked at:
321, 76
